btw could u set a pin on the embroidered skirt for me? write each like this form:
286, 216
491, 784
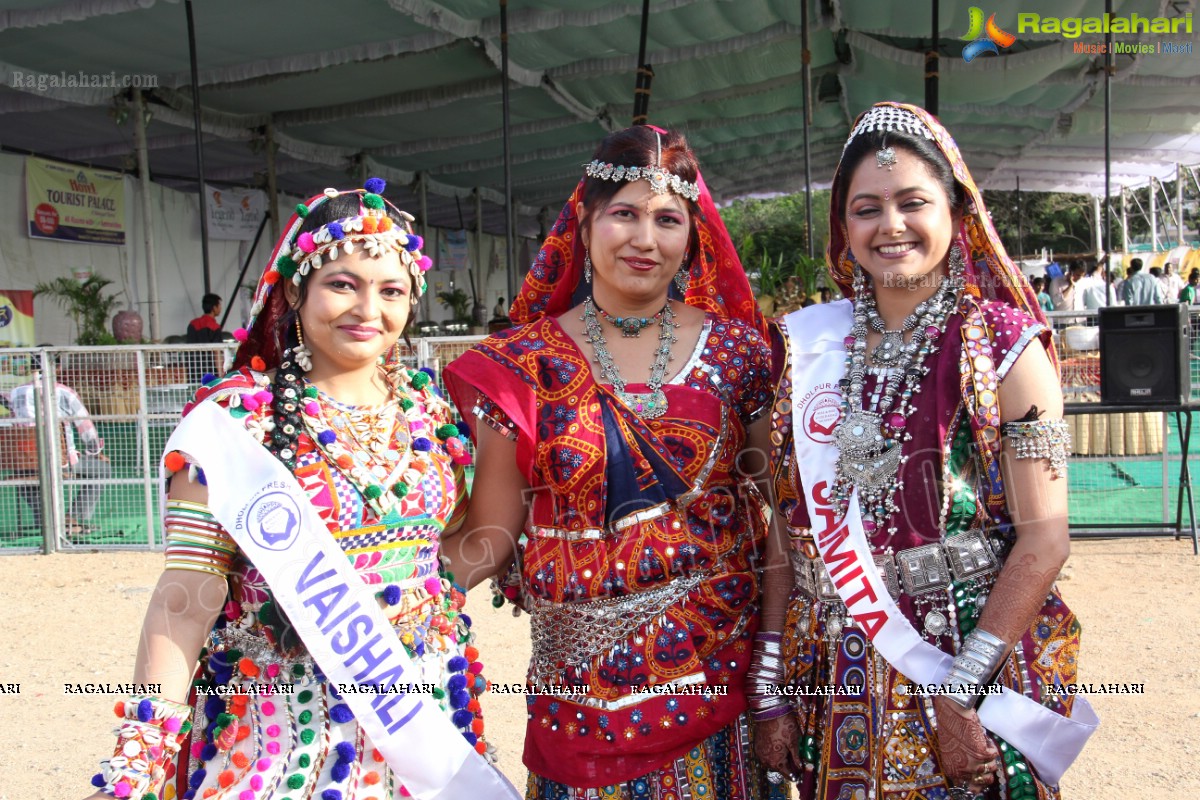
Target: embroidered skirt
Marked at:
722, 767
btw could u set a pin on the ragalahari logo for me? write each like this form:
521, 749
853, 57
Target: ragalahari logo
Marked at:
983, 38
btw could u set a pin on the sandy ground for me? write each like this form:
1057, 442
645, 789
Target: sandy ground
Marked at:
74, 618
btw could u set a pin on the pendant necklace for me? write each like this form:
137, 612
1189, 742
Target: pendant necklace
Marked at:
870, 437
648, 405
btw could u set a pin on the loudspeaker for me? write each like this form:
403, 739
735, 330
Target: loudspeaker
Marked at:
1144, 355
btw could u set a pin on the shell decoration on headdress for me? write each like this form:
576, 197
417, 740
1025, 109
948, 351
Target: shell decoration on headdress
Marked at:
297, 254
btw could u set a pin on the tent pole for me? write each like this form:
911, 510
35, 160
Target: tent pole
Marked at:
1179, 202
201, 192
931, 62
641, 86
143, 159
272, 182
423, 202
510, 234
1153, 216
1104, 234
1098, 218
806, 74
477, 285
1020, 225
1125, 219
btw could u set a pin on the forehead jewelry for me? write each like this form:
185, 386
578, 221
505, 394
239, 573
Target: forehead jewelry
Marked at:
887, 193
885, 157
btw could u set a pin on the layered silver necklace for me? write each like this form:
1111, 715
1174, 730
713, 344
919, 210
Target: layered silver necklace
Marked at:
870, 440
648, 405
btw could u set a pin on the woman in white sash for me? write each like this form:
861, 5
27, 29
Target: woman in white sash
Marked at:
321, 397
910, 419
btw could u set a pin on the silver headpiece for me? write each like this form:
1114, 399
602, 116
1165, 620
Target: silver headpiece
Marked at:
660, 180
889, 118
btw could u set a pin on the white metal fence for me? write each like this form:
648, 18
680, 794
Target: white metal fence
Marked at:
59, 488
1125, 467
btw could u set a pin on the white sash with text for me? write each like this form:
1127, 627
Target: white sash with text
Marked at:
268, 514
816, 336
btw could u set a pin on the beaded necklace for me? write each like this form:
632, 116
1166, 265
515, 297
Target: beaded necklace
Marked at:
648, 405
631, 327
870, 439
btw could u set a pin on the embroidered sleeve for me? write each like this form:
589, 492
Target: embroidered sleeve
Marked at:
494, 416
741, 359
1013, 331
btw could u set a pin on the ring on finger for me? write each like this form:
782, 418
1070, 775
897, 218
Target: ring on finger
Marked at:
774, 778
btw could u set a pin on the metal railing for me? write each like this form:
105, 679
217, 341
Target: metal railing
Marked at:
133, 395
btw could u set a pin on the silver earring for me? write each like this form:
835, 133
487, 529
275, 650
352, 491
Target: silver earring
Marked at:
587, 267
957, 264
681, 280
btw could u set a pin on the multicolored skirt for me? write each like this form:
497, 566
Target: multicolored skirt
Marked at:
722, 767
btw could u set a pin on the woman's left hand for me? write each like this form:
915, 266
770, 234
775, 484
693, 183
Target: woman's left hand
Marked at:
968, 756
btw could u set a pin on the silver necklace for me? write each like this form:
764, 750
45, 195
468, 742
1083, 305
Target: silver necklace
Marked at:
870, 439
649, 405
888, 351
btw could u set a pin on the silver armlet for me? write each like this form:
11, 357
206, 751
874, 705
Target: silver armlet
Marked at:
1043, 438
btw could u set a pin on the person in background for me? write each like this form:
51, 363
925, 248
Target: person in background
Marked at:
1116, 277
84, 456
205, 329
1139, 288
1172, 283
1091, 291
1044, 301
1189, 293
1063, 290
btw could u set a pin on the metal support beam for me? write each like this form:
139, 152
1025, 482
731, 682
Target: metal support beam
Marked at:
1020, 223
806, 74
1125, 219
641, 87
143, 160
200, 190
510, 233
1179, 201
931, 61
272, 182
1153, 216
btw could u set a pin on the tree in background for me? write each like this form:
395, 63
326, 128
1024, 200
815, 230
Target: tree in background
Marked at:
772, 240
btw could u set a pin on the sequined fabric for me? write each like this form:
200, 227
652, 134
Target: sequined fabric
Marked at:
624, 510
293, 734
882, 741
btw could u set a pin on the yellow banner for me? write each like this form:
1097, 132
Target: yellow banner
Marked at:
16, 318
74, 204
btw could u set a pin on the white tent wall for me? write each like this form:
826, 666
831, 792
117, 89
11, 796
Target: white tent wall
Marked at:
25, 261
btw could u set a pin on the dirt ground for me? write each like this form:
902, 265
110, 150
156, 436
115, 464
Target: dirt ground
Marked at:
74, 618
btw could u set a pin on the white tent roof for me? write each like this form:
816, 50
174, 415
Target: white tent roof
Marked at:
408, 86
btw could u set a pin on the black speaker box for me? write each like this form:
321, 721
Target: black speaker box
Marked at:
1144, 355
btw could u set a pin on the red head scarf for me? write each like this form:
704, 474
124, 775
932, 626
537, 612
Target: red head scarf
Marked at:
717, 283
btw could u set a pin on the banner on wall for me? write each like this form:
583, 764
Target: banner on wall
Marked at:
234, 213
452, 250
16, 318
69, 203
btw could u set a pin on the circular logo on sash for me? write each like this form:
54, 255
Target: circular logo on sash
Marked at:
273, 521
821, 414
